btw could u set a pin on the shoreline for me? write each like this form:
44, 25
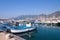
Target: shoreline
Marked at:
9, 36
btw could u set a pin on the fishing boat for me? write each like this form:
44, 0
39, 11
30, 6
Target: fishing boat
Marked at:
21, 28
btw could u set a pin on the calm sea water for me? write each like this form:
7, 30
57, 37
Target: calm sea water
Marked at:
45, 33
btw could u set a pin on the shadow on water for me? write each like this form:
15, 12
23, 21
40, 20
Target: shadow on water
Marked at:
44, 34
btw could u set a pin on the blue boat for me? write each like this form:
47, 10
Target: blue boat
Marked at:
21, 28
3, 28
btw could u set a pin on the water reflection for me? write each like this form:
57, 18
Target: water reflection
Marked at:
45, 33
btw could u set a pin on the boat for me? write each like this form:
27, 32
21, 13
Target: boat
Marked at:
21, 28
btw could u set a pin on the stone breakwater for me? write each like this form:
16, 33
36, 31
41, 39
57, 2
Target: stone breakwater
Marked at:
8, 36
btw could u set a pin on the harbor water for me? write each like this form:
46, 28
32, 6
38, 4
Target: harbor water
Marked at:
45, 33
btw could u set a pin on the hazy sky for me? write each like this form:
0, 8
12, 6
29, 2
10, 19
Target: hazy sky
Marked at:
13, 8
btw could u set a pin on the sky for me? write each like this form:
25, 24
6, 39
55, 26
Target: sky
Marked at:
14, 8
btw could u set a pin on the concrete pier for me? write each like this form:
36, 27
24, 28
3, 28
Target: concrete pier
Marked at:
4, 36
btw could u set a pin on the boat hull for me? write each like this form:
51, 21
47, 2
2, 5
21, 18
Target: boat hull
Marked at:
21, 31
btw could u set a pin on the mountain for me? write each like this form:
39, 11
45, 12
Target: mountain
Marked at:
25, 16
29, 16
55, 14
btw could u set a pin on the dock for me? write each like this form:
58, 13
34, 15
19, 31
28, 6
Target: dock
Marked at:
4, 36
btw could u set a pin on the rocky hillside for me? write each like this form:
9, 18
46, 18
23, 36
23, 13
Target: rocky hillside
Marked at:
55, 14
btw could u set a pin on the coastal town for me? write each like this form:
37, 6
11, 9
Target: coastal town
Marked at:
36, 18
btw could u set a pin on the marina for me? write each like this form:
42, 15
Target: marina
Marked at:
29, 19
32, 30
43, 33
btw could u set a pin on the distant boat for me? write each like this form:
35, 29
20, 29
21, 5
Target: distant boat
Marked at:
58, 24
